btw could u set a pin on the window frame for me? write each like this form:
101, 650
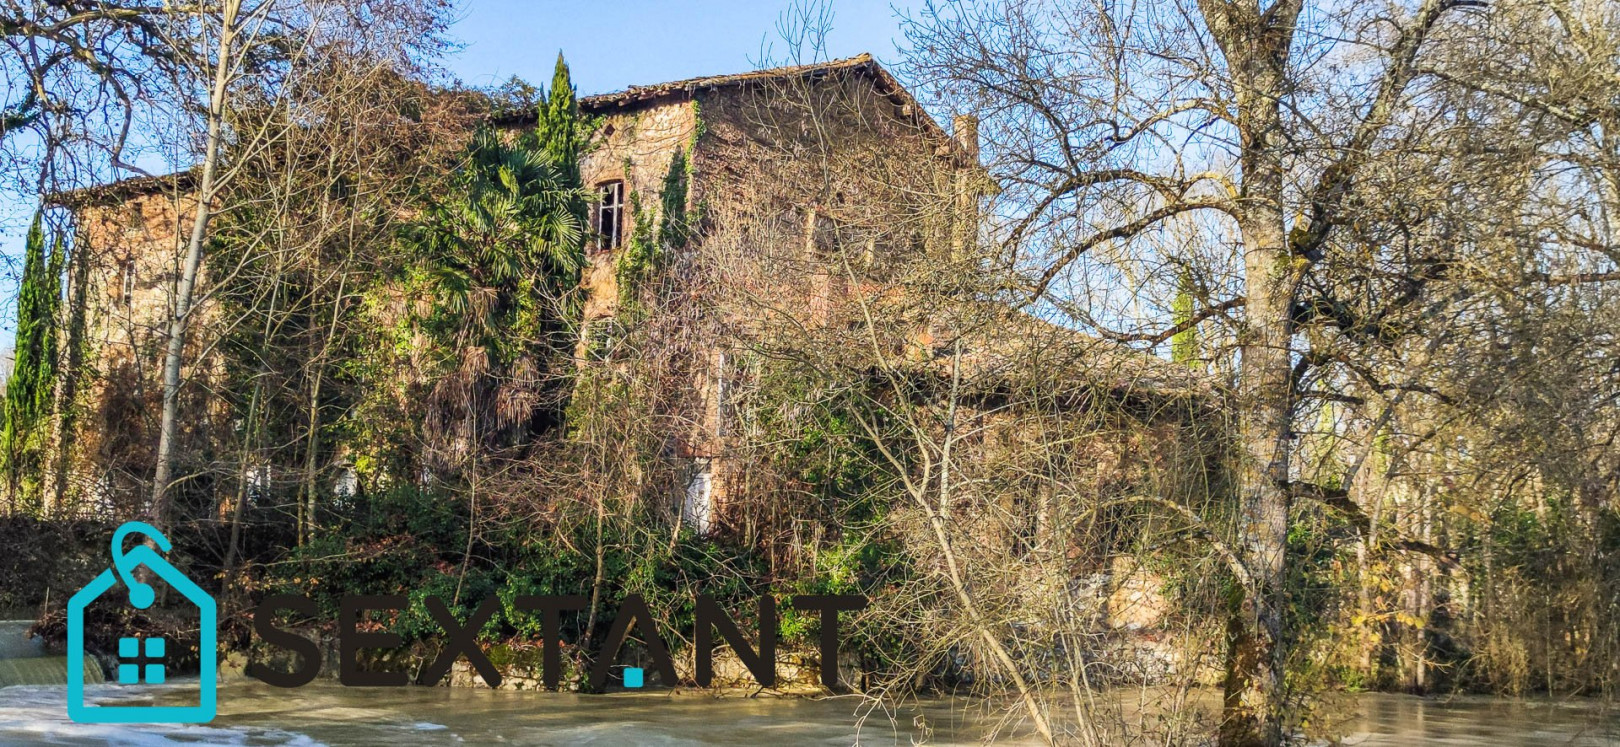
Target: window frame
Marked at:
126, 296
605, 241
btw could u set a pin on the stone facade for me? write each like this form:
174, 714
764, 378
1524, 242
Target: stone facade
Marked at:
821, 158
128, 247
634, 148
757, 143
807, 182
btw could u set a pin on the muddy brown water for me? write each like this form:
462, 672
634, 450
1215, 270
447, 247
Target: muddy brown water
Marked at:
15, 643
252, 713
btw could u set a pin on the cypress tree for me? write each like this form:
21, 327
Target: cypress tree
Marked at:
1184, 344
560, 136
29, 391
558, 128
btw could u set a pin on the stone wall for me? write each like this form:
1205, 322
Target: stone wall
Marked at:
131, 249
802, 184
635, 146
796, 674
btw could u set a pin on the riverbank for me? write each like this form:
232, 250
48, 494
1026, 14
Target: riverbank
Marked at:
252, 713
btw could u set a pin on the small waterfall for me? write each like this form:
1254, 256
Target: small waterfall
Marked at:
44, 670
23, 660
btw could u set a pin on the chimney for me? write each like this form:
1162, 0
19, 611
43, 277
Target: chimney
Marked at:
965, 215
965, 128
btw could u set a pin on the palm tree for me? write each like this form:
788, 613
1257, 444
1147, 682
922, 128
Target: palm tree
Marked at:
502, 253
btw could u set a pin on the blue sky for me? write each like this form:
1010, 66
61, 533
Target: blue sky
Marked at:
613, 45
609, 46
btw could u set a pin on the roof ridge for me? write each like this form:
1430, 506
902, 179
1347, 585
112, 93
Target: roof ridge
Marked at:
636, 92
887, 84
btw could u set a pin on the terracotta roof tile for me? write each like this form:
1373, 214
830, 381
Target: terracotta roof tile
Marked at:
862, 64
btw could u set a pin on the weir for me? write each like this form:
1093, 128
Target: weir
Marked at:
23, 660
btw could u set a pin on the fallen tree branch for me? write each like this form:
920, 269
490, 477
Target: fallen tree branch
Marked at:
1339, 499
1196, 525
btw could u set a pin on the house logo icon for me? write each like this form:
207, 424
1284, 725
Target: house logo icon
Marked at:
142, 660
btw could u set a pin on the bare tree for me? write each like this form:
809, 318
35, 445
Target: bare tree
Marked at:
221, 55
1274, 132
290, 276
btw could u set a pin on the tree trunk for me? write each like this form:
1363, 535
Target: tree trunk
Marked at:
168, 430
239, 504
1254, 668
1256, 47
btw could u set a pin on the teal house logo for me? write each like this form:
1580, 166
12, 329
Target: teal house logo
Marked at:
142, 660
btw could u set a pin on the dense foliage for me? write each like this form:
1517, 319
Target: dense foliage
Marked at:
1221, 374
31, 388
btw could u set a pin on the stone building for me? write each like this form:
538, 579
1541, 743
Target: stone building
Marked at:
127, 252
811, 188
806, 162
818, 149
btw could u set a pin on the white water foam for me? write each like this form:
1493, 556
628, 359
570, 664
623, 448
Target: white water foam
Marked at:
37, 714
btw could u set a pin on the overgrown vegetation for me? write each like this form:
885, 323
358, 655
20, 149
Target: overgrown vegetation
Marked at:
1225, 374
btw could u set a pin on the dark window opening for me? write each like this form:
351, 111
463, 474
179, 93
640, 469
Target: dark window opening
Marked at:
609, 214
135, 219
822, 236
128, 294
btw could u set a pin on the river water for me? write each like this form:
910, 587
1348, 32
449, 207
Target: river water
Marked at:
326, 714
